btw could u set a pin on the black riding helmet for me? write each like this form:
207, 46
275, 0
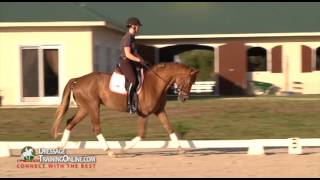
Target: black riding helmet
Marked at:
133, 21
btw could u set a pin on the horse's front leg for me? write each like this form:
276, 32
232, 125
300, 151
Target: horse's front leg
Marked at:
142, 122
167, 125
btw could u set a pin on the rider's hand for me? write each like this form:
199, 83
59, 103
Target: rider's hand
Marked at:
144, 63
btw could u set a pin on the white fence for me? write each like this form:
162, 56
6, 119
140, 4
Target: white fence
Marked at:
307, 142
201, 87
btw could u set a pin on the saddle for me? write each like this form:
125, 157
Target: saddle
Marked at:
119, 84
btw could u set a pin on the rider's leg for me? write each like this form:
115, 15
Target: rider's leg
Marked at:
131, 101
128, 70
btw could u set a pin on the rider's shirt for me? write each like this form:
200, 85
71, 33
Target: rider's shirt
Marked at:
128, 40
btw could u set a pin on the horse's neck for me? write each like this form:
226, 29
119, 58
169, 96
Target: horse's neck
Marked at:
163, 77
156, 83
166, 75
170, 71
151, 79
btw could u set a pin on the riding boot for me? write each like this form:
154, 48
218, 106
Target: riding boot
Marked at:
131, 100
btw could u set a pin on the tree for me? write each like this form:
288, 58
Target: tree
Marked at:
201, 60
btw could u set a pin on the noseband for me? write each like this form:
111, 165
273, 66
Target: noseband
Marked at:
183, 93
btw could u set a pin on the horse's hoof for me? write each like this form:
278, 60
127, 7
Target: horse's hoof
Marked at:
123, 151
111, 154
181, 151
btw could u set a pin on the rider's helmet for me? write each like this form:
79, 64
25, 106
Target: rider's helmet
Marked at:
133, 21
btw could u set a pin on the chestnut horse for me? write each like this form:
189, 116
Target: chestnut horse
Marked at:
91, 90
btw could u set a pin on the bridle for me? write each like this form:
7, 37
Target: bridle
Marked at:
183, 92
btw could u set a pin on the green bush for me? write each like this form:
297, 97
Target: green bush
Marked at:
201, 60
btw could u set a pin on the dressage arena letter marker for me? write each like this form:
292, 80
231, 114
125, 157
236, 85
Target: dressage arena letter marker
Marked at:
4, 149
294, 146
255, 148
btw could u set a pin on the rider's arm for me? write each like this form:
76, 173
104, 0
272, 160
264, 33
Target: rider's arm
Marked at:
141, 58
129, 55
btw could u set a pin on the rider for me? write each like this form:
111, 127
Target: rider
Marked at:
130, 59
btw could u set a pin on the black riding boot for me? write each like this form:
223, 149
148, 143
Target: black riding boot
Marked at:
132, 108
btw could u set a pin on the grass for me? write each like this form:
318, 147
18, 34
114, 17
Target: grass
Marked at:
199, 118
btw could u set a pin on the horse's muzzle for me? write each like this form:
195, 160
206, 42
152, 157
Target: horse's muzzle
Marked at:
183, 96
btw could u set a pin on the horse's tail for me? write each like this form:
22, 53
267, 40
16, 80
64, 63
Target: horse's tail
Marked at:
63, 107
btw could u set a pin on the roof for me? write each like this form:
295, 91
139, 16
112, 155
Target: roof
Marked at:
177, 18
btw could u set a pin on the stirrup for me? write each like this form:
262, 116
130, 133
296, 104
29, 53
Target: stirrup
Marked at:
132, 110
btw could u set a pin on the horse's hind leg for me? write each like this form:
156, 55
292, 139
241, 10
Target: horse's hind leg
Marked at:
81, 113
167, 125
94, 111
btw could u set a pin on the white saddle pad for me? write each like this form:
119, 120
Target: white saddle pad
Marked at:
117, 83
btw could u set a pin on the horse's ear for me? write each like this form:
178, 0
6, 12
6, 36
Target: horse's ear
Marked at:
194, 71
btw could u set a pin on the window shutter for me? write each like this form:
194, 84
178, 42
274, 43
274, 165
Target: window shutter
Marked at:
306, 63
276, 62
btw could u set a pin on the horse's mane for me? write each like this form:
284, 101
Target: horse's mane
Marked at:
175, 65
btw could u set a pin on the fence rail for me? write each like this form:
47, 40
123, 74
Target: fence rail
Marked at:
308, 142
200, 87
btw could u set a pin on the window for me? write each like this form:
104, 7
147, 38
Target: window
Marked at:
116, 59
30, 72
318, 59
40, 71
96, 60
50, 67
108, 60
257, 59
118, 53
310, 59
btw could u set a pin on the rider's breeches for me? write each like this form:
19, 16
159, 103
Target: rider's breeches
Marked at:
128, 69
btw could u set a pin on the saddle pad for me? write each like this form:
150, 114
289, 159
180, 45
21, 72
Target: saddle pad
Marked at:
117, 83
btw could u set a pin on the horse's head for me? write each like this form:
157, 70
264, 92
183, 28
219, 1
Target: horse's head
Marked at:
184, 83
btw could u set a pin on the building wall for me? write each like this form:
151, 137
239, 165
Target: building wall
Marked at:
291, 59
291, 62
77, 54
75, 57
106, 48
